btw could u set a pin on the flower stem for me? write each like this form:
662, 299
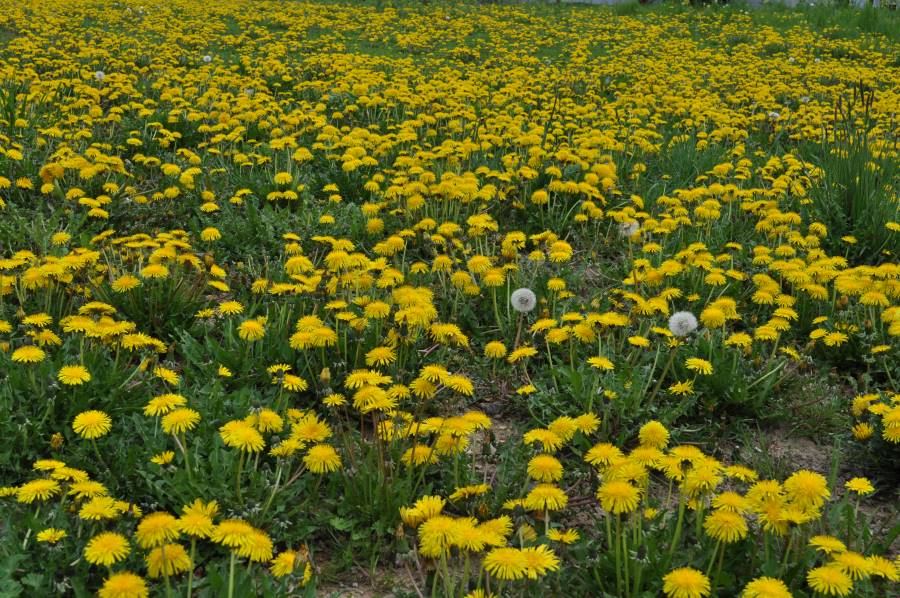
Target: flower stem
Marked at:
190, 584
231, 577
237, 478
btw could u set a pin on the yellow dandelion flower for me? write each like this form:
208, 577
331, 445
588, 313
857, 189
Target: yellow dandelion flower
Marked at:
92, 424
106, 549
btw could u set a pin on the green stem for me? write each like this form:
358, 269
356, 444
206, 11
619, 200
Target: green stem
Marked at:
618, 555
237, 478
662, 376
187, 458
712, 560
676, 537
624, 539
190, 583
165, 568
231, 577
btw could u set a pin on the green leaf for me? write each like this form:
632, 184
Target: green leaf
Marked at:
341, 524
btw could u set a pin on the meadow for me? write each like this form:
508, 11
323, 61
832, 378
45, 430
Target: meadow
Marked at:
447, 299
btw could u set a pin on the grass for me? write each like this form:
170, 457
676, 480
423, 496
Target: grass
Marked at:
286, 272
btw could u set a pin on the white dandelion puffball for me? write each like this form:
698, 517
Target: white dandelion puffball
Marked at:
774, 115
628, 229
682, 323
207, 58
99, 76
523, 300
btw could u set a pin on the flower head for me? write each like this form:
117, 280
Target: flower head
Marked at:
73, 375
167, 559
682, 323
156, 529
618, 496
106, 549
766, 587
124, 585
505, 563
830, 581
28, 354
322, 458
523, 300
91, 424
685, 583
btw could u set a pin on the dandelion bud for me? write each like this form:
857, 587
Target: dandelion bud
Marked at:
682, 323
325, 376
523, 300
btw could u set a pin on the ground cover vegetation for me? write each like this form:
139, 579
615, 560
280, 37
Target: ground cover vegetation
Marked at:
468, 300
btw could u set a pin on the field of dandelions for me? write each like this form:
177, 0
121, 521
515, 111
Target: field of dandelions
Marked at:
455, 300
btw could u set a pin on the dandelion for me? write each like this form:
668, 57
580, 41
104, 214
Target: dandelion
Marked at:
124, 585
882, 567
807, 489
685, 583
28, 354
701, 366
162, 404
523, 300
540, 560
156, 529
210, 234
163, 458
73, 375
766, 587
51, 535
284, 563
830, 581
106, 549
682, 323
167, 560
601, 363
827, 544
241, 435
654, 434
569, 536
546, 497
853, 564
436, 535
91, 424
125, 283
725, 526
545, 468
629, 229
87, 489
618, 496
861, 486
322, 458
251, 330
495, 350
180, 421
37, 490
196, 519
505, 563
99, 76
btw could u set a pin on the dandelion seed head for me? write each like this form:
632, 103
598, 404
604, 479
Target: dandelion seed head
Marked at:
523, 300
682, 323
